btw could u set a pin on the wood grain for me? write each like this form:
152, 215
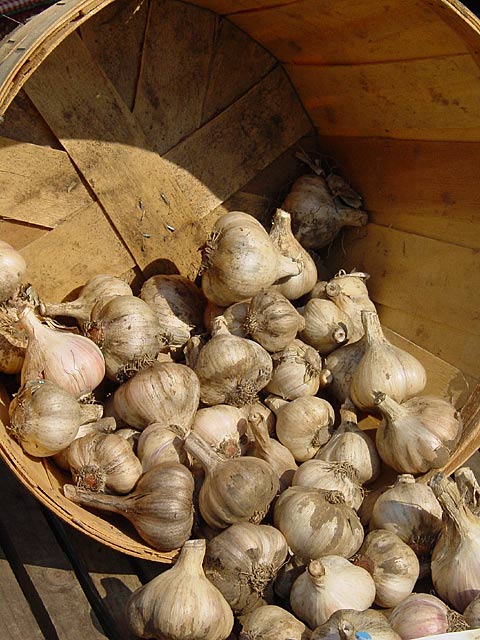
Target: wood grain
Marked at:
39, 185
115, 38
425, 187
23, 123
422, 99
19, 235
175, 66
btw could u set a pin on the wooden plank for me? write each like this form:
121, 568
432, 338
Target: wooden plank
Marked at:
422, 99
39, 185
47, 571
227, 152
424, 187
105, 142
19, 235
315, 31
232, 6
414, 273
115, 39
23, 123
174, 75
17, 621
65, 258
238, 62
460, 348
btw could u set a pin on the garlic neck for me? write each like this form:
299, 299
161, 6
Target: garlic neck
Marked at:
191, 557
104, 501
202, 451
219, 327
316, 572
372, 328
275, 403
259, 429
389, 407
351, 217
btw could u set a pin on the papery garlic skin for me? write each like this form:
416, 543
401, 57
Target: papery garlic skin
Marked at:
345, 623
331, 476
223, 427
392, 564
326, 326
471, 613
158, 444
72, 361
419, 615
181, 603
329, 584
342, 363
271, 622
297, 371
102, 425
242, 562
12, 270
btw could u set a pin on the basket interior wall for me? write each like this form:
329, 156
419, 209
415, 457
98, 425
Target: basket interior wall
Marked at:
153, 118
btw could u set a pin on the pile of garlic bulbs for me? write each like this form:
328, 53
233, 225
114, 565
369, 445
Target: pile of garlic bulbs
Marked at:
221, 419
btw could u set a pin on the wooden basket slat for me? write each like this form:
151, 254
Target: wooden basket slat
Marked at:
23, 123
259, 126
440, 98
41, 186
19, 235
413, 188
115, 39
314, 31
169, 104
78, 249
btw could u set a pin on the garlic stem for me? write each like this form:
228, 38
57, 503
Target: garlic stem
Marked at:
316, 571
260, 432
191, 558
388, 406
103, 501
373, 328
200, 450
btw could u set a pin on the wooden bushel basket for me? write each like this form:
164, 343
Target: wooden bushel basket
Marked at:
130, 126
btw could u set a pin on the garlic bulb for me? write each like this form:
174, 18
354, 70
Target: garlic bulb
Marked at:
423, 614
329, 584
417, 435
287, 575
165, 392
326, 326
349, 293
353, 446
72, 361
384, 368
242, 562
297, 371
270, 450
236, 316
234, 489
331, 476
12, 351
102, 425
317, 523
103, 462
292, 287
128, 333
410, 510
231, 370
158, 444
272, 623
455, 557
223, 427
317, 216
99, 288
471, 613
392, 564
240, 260
272, 320
181, 603
342, 364
44, 418
178, 304
266, 413
303, 425
12, 270
469, 488
160, 507
345, 624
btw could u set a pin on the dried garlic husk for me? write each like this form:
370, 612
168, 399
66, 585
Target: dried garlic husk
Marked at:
411, 510
165, 392
272, 320
231, 370
345, 624
181, 603
240, 260
292, 287
317, 216
160, 507
234, 489
329, 584
455, 559
224, 428
303, 425
417, 435
392, 564
331, 476
103, 462
242, 562
317, 523
272, 623
326, 326
384, 368
99, 287
297, 371
270, 450
353, 446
